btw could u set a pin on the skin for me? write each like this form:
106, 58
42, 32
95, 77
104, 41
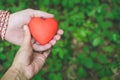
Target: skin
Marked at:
31, 56
26, 63
15, 33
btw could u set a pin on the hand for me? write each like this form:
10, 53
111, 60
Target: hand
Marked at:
26, 60
15, 33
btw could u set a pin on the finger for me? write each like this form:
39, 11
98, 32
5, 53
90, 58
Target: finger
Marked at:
46, 53
33, 40
42, 55
24, 54
27, 36
60, 32
52, 42
57, 37
39, 60
38, 47
37, 43
25, 51
37, 13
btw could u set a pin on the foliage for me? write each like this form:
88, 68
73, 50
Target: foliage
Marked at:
89, 48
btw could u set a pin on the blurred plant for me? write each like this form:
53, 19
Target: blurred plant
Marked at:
89, 48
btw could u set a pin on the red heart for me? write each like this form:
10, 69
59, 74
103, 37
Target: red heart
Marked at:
43, 30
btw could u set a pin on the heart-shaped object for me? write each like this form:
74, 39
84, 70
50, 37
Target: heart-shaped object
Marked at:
43, 30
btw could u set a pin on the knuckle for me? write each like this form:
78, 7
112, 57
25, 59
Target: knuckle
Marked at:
29, 9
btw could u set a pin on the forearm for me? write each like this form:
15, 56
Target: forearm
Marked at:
14, 74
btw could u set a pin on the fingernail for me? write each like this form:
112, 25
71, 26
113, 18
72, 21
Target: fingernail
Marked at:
52, 15
60, 32
25, 27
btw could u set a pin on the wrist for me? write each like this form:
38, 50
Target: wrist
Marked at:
4, 17
14, 73
8, 31
19, 71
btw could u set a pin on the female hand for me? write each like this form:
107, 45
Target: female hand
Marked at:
15, 33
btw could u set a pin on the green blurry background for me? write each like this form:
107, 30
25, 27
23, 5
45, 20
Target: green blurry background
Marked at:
90, 46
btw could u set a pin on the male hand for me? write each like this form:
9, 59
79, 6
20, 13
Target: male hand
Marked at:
26, 60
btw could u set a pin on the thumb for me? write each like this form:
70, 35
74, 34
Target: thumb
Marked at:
24, 53
27, 36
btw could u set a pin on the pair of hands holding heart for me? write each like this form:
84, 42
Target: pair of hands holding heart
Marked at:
45, 34
15, 33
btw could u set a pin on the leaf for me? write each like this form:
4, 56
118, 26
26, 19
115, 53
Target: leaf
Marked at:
64, 3
86, 49
102, 58
55, 76
1, 49
81, 56
97, 41
88, 62
93, 54
56, 2
108, 48
2, 56
108, 72
97, 66
11, 1
101, 73
46, 2
105, 25
6, 64
115, 37
82, 72
105, 78
1, 74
